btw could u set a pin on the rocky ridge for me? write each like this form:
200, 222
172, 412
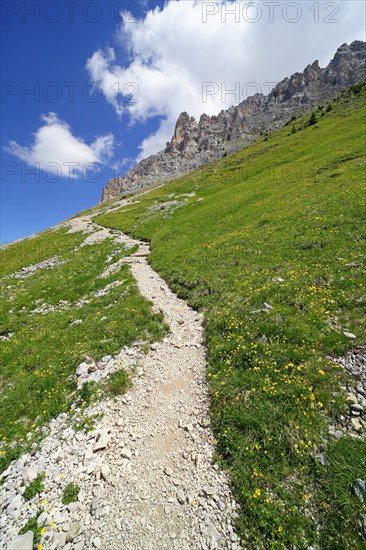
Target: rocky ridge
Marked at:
195, 144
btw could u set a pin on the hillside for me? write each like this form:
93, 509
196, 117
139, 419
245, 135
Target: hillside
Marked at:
197, 143
268, 244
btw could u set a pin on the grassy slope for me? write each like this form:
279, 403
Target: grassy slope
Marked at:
279, 223
38, 363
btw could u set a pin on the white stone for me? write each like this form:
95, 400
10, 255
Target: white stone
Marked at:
42, 518
22, 542
102, 441
15, 503
6, 473
82, 369
88, 456
181, 497
97, 543
30, 475
126, 453
357, 424
105, 471
351, 398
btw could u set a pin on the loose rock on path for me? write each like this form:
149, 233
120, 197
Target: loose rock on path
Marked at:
147, 475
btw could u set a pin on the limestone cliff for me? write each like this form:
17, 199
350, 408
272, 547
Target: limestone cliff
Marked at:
195, 144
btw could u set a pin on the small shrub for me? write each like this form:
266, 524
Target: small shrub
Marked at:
70, 493
118, 382
356, 88
85, 423
313, 119
144, 347
293, 130
291, 120
329, 108
34, 488
88, 392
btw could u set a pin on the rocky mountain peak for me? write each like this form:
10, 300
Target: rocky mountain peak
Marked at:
312, 72
195, 144
185, 128
183, 124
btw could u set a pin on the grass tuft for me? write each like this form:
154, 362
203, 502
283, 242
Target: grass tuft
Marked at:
32, 525
34, 488
117, 382
70, 493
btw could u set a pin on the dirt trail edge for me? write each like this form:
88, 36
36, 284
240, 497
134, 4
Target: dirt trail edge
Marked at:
169, 494
147, 476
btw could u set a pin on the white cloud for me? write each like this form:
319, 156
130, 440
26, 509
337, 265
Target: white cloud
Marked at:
171, 53
56, 150
156, 141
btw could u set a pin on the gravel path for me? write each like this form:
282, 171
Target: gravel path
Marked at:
147, 476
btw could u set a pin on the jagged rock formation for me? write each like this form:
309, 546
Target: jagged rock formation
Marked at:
195, 144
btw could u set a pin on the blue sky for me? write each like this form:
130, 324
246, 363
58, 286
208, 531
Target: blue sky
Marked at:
64, 129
